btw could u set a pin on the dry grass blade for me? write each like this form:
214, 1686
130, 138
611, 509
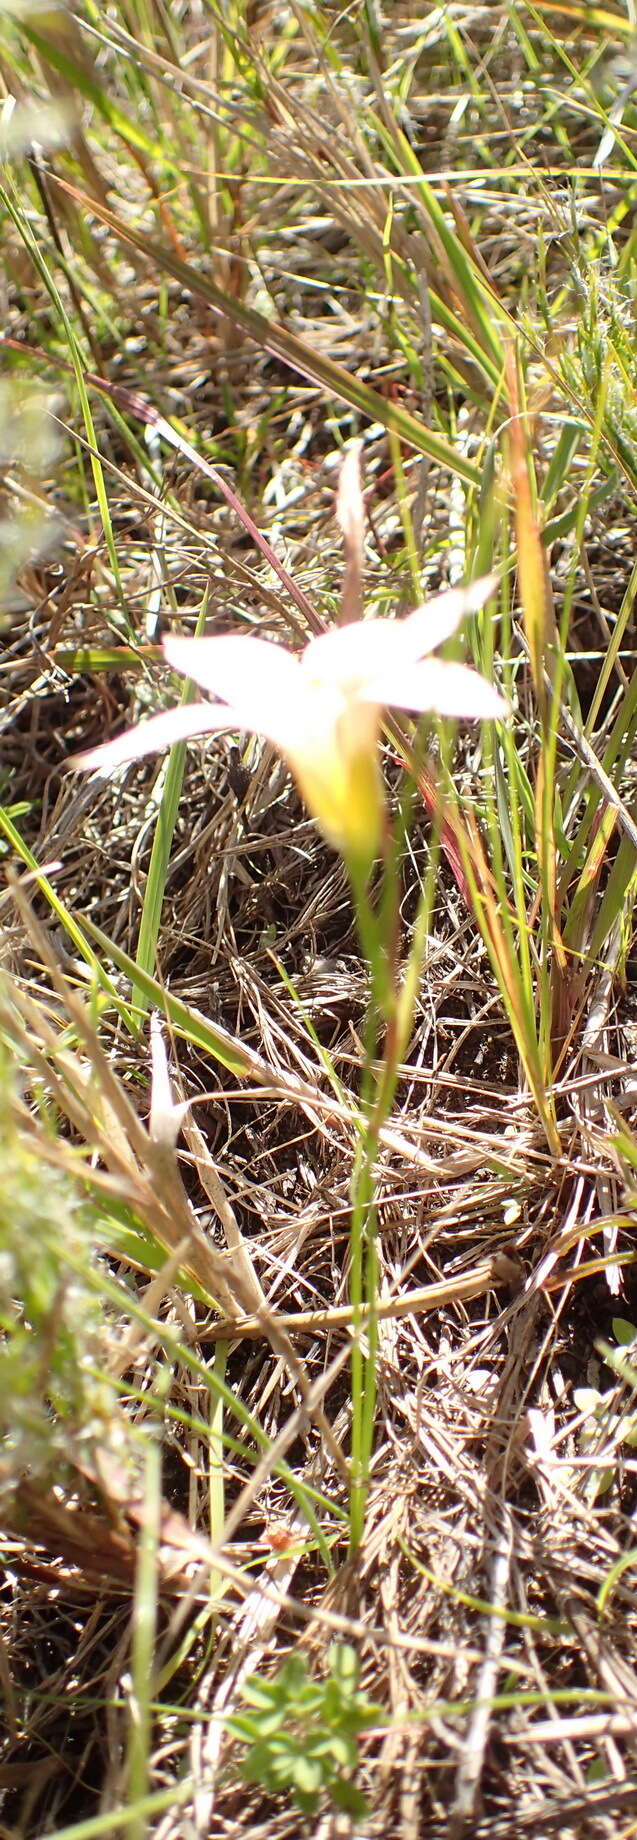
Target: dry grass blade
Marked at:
494, 1272
282, 1276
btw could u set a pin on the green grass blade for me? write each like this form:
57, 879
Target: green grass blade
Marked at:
338, 382
173, 774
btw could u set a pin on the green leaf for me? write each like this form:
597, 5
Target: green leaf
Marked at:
624, 1332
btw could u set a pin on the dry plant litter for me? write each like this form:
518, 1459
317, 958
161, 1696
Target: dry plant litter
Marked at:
317, 1290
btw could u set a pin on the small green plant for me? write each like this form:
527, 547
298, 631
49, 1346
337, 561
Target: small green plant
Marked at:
28, 446
302, 1734
605, 1417
57, 1409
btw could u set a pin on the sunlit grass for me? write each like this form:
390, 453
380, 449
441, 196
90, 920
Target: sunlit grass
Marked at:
237, 245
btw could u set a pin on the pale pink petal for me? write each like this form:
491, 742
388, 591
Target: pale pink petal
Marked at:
254, 675
436, 684
350, 510
437, 619
157, 733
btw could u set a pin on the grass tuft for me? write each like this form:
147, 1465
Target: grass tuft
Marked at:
317, 1214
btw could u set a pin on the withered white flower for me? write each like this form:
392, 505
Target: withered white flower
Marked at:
322, 709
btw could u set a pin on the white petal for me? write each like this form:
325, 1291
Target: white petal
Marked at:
158, 733
252, 674
449, 689
360, 652
436, 620
354, 654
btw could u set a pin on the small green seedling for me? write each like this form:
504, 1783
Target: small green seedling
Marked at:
302, 1734
603, 1414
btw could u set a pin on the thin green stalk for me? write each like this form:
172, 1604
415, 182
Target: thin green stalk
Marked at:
146, 956
117, 1820
391, 1006
216, 1472
363, 1225
143, 1641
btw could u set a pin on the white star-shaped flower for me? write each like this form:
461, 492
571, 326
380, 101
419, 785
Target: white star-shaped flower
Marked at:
322, 708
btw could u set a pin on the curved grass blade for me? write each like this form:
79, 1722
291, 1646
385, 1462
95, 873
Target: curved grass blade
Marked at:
287, 346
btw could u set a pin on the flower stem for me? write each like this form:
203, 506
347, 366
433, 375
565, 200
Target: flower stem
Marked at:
390, 1011
377, 928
